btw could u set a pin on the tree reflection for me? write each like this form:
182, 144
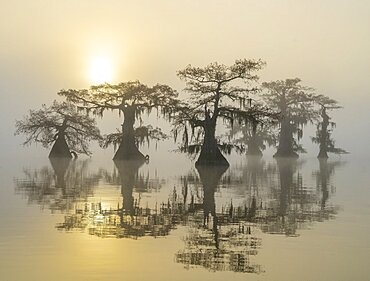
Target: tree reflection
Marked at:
289, 197
294, 205
225, 211
129, 219
276, 201
324, 184
218, 241
58, 188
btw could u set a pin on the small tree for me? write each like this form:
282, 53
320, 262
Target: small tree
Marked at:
257, 132
61, 125
257, 137
215, 94
325, 127
129, 98
296, 106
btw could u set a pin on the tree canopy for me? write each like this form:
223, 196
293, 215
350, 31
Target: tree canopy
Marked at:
130, 99
324, 127
61, 124
103, 97
256, 135
295, 103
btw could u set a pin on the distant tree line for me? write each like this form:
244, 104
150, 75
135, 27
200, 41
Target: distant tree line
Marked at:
254, 114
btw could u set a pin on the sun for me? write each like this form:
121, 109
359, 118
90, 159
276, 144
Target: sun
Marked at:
101, 70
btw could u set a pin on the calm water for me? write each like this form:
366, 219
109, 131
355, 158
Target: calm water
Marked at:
261, 219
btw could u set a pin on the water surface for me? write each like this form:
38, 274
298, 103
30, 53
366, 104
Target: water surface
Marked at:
260, 219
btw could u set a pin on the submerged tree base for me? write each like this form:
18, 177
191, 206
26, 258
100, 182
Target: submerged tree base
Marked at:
60, 149
128, 168
125, 152
210, 176
212, 159
322, 155
60, 166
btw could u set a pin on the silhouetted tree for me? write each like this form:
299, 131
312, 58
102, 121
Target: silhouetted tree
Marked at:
296, 106
215, 94
61, 124
256, 134
325, 127
131, 99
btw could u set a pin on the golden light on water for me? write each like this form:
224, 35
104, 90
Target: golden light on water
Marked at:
101, 70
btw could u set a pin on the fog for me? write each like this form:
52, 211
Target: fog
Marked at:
280, 218
47, 46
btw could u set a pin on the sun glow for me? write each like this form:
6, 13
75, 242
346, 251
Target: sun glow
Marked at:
101, 70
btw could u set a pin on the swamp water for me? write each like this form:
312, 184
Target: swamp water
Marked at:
260, 219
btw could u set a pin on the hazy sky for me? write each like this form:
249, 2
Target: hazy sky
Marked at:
49, 45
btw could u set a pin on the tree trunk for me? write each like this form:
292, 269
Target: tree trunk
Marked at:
322, 154
253, 148
324, 135
60, 148
285, 148
127, 149
210, 154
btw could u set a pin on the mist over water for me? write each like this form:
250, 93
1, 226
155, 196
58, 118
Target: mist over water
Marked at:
255, 218
260, 219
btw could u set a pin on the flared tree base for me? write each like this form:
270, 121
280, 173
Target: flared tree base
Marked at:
130, 153
290, 154
60, 149
212, 159
128, 169
323, 155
